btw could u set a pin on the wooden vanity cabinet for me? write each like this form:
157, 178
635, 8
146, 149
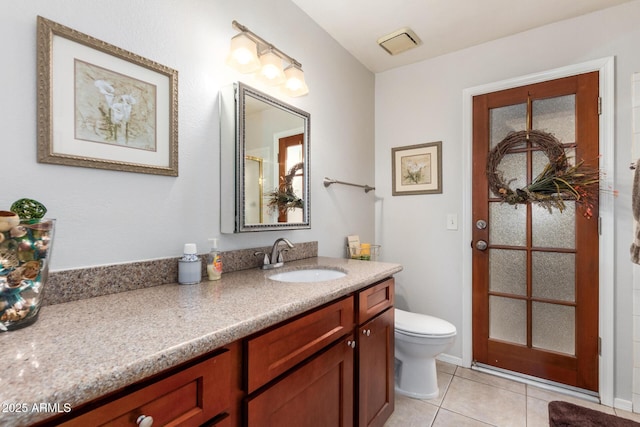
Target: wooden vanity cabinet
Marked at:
330, 367
375, 354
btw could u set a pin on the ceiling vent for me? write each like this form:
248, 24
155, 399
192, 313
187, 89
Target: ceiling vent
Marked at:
399, 41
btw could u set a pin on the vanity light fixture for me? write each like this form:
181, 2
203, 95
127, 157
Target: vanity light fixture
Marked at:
252, 54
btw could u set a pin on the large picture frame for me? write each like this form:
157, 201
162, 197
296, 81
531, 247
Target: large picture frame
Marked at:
100, 106
417, 169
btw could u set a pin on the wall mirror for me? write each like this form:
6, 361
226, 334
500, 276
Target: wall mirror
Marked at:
264, 162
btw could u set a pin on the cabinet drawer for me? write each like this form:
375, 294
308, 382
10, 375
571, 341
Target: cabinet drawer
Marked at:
375, 299
280, 349
188, 398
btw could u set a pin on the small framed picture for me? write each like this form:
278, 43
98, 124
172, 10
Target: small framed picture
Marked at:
417, 169
100, 106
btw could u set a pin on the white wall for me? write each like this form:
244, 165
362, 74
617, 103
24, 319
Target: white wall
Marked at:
423, 103
107, 217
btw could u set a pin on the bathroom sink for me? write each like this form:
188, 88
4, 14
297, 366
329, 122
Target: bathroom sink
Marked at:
308, 275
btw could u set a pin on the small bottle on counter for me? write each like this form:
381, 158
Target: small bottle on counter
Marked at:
189, 266
365, 251
214, 262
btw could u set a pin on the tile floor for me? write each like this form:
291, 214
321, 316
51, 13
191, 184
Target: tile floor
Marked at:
473, 399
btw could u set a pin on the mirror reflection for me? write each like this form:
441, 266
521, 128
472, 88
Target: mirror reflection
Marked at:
272, 154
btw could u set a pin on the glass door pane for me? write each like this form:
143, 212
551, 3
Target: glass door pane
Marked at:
505, 120
557, 116
554, 327
508, 319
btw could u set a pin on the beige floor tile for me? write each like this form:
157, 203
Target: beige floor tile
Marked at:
537, 412
549, 396
628, 415
411, 413
444, 380
475, 399
446, 418
493, 380
486, 403
445, 367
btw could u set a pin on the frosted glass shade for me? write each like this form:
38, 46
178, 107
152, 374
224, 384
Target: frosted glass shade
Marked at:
294, 84
271, 71
243, 55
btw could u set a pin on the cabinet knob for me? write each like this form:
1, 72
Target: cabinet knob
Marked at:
351, 344
144, 421
366, 332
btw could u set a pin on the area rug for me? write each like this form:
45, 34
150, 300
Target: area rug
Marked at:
565, 414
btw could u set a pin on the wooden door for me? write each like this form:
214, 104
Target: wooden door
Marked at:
535, 285
291, 153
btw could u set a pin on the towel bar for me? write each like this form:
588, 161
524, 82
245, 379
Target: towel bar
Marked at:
329, 181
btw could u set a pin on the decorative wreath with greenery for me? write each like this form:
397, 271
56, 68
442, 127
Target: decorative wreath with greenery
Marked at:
284, 198
558, 181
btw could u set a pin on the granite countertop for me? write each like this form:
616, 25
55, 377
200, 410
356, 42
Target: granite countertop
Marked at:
81, 350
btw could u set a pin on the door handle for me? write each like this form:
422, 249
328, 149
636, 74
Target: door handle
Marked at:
481, 245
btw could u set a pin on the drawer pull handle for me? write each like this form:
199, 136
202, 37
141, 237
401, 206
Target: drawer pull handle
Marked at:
366, 332
144, 421
351, 344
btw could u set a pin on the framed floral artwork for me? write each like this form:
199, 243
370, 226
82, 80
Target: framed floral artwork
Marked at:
417, 169
100, 106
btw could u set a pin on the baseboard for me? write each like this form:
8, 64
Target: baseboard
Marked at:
447, 358
625, 405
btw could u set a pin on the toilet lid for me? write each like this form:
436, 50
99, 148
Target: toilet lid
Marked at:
422, 324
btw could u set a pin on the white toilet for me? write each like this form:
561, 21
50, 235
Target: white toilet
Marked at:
419, 339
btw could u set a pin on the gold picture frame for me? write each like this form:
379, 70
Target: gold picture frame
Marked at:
100, 106
417, 169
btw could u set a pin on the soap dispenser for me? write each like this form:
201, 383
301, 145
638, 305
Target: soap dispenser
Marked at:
214, 262
189, 266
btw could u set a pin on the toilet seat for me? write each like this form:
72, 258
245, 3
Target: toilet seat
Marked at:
422, 325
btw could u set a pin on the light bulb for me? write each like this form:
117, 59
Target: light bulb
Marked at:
243, 55
295, 84
271, 72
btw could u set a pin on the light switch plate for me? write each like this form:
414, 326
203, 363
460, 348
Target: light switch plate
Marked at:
452, 222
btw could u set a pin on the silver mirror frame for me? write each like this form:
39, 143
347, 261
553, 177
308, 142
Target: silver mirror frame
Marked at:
232, 155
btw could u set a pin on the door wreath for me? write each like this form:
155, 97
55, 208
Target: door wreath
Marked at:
559, 181
283, 198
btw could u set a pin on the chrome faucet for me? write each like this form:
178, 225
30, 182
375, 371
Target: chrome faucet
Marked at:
276, 259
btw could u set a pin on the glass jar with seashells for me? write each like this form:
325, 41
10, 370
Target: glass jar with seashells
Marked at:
25, 251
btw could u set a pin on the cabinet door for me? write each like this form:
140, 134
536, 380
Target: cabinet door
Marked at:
317, 394
375, 370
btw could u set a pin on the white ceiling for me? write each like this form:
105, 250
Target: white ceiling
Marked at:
443, 25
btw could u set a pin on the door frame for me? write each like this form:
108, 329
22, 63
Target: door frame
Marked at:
606, 68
